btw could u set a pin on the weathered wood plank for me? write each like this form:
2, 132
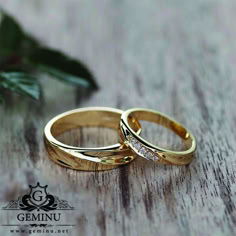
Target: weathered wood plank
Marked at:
177, 57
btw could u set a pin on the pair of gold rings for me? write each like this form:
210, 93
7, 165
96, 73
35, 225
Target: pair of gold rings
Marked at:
131, 143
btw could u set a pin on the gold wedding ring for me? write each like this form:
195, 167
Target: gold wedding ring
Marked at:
100, 158
149, 151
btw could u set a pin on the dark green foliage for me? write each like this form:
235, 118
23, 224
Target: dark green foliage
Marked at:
22, 56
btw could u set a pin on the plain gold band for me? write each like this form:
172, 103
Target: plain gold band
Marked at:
102, 158
149, 151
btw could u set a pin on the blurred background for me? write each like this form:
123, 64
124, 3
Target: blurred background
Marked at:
133, 49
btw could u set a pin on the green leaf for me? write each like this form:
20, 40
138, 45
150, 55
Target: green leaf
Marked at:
10, 33
1, 98
21, 83
21, 55
12, 37
62, 67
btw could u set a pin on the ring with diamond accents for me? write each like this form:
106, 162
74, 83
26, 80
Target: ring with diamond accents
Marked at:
149, 151
100, 158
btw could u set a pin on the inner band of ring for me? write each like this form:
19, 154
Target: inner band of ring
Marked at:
101, 158
149, 151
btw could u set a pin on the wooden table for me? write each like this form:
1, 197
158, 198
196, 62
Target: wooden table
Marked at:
174, 56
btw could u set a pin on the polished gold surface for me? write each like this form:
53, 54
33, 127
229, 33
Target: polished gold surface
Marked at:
101, 158
152, 152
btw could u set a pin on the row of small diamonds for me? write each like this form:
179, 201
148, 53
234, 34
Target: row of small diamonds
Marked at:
141, 149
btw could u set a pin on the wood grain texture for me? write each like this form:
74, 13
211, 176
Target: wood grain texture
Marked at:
174, 56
